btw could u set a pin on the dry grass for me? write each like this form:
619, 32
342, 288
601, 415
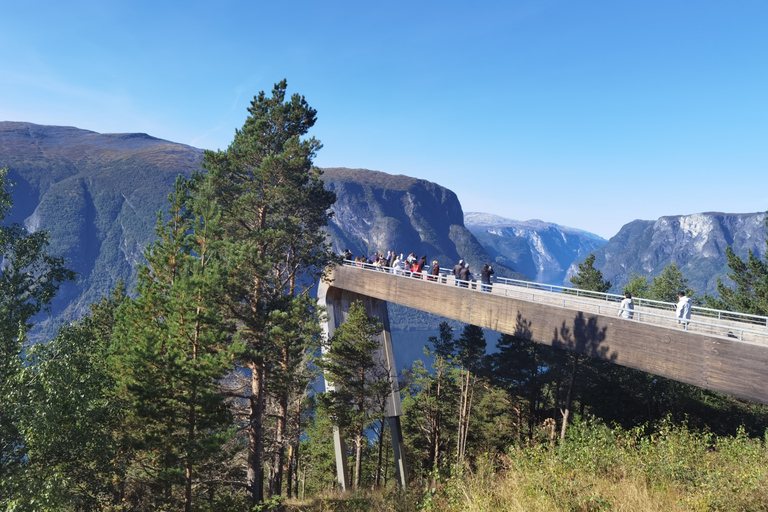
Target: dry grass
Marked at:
597, 469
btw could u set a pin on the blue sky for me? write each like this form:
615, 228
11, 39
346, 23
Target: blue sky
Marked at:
586, 113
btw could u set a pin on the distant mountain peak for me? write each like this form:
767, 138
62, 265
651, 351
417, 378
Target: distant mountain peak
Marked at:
479, 220
541, 250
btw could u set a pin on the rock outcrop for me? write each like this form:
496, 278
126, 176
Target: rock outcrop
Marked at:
381, 212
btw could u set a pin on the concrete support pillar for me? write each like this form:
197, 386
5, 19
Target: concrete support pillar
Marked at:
340, 450
399, 449
337, 303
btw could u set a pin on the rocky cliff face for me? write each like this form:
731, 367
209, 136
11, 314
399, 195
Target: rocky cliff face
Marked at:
381, 212
696, 243
541, 250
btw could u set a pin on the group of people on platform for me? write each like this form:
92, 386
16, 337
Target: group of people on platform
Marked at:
400, 264
464, 276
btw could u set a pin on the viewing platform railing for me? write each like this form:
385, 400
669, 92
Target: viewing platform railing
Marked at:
741, 326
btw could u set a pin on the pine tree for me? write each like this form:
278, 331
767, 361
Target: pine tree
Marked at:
471, 347
751, 279
274, 210
360, 382
589, 278
171, 348
516, 368
444, 345
668, 283
430, 406
637, 286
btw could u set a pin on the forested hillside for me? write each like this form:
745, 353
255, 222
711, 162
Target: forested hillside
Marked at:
98, 195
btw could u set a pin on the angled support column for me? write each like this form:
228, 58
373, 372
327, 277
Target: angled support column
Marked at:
337, 303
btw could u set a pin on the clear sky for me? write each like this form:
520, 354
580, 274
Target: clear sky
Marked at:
585, 113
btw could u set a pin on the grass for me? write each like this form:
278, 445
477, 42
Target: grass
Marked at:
596, 469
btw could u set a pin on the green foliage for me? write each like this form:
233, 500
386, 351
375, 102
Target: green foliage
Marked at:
358, 384
430, 414
171, 347
443, 344
638, 286
699, 470
73, 459
470, 348
668, 283
29, 281
274, 209
589, 278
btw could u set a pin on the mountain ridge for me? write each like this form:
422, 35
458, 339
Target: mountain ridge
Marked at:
541, 250
696, 243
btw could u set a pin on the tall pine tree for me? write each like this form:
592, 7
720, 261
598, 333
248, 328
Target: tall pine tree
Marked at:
751, 279
274, 209
360, 382
170, 350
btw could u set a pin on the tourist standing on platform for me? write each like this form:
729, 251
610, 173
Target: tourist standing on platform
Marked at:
683, 308
457, 270
398, 266
435, 271
485, 277
464, 276
627, 308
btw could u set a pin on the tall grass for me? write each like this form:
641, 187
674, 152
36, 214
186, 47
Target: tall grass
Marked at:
596, 468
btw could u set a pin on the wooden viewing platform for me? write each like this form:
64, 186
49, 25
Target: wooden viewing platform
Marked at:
727, 357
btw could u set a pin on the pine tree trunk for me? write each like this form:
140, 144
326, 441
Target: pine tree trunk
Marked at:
278, 457
289, 473
254, 480
567, 409
437, 424
358, 460
468, 415
381, 449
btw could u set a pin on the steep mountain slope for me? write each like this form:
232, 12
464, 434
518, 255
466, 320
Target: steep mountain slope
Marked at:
540, 250
376, 211
97, 194
696, 243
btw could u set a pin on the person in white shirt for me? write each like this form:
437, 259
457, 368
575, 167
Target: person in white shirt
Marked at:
627, 308
683, 308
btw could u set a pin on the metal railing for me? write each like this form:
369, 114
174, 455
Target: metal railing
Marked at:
744, 327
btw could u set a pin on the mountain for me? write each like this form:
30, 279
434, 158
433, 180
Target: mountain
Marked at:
97, 194
541, 250
696, 243
376, 211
